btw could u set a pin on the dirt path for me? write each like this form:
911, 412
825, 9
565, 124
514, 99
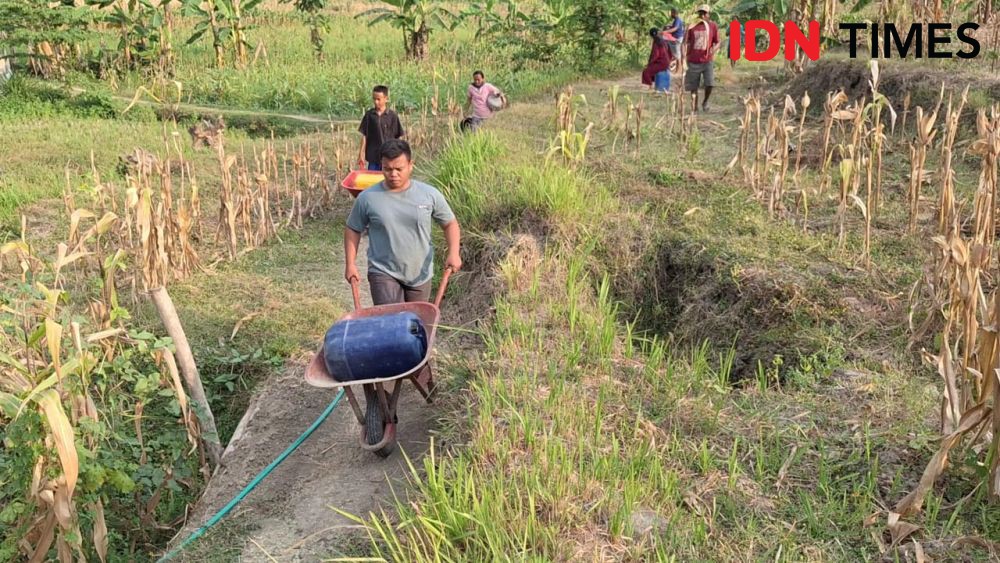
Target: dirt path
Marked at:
288, 517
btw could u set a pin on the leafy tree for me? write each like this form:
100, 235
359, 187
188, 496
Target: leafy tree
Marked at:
145, 30
317, 21
31, 32
416, 19
225, 20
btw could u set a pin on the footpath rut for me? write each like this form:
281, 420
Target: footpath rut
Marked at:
288, 517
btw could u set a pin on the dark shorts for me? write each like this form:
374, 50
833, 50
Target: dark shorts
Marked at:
695, 72
374, 166
387, 289
471, 124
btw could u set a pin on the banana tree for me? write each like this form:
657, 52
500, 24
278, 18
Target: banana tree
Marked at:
416, 19
317, 21
30, 30
495, 17
225, 20
145, 30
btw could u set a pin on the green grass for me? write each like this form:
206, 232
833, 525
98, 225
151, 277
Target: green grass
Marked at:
582, 430
46, 128
596, 407
46, 134
356, 58
284, 294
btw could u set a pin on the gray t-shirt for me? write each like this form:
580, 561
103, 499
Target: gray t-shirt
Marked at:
399, 229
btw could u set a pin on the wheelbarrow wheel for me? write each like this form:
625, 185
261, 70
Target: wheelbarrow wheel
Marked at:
375, 422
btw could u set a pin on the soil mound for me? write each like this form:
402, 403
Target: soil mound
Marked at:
923, 83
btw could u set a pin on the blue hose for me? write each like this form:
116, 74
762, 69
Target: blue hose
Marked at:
253, 484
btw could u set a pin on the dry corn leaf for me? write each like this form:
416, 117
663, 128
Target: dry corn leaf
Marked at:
62, 260
980, 147
789, 105
861, 205
845, 114
892, 114
913, 502
976, 541
100, 531
62, 549
109, 333
62, 506
74, 221
900, 530
53, 339
62, 434
45, 538
105, 223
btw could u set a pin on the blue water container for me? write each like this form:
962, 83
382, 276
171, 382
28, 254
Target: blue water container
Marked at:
374, 347
662, 81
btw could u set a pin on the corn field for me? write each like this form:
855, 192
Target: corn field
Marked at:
965, 305
60, 374
958, 299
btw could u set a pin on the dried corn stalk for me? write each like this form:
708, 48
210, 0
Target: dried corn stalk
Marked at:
918, 156
968, 357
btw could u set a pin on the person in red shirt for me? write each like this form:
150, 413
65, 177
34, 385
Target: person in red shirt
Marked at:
701, 42
659, 58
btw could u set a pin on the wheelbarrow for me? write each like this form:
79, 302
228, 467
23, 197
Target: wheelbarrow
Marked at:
350, 181
378, 421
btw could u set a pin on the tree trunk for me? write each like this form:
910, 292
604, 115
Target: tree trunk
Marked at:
185, 359
418, 49
216, 39
239, 35
316, 38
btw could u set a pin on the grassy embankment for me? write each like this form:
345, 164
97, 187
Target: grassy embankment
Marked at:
587, 435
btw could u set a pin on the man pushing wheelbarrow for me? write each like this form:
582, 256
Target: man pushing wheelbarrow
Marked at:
398, 214
391, 341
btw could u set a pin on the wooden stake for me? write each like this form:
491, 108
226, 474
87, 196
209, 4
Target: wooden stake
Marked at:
189, 370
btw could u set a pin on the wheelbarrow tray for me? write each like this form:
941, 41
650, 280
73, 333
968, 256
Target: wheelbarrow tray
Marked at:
350, 179
317, 374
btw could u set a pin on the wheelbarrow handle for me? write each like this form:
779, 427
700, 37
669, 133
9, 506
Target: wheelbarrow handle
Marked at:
356, 291
442, 287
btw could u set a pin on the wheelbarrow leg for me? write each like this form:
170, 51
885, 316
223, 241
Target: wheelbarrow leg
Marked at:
349, 391
424, 382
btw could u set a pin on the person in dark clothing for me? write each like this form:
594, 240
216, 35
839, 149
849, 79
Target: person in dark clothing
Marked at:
379, 124
659, 58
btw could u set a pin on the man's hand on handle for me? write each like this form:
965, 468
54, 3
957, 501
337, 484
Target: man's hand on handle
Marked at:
351, 272
453, 261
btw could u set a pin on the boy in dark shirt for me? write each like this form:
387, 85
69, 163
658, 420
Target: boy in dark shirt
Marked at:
380, 124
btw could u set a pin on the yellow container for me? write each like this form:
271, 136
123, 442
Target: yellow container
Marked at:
363, 181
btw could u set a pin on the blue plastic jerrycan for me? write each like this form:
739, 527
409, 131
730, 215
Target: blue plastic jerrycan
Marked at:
374, 347
662, 81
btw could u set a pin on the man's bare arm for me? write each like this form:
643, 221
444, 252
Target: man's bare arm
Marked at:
352, 239
453, 237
